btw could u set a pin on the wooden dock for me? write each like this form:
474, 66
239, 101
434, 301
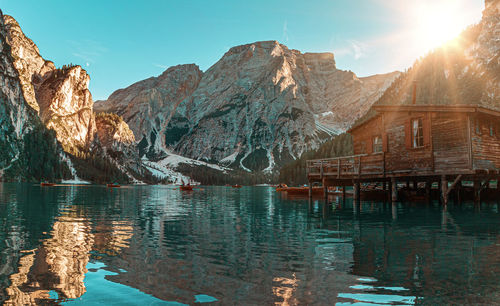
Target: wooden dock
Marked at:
419, 146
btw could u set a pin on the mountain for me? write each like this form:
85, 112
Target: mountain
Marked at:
259, 107
28, 151
60, 104
60, 96
147, 105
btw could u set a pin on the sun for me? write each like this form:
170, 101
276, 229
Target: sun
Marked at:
437, 22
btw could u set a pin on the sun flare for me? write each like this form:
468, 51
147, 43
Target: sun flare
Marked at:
437, 22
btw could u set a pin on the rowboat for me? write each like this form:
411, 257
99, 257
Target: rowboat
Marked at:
302, 190
113, 185
236, 186
47, 184
186, 187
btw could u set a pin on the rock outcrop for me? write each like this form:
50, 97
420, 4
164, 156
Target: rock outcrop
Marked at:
66, 106
147, 105
28, 151
15, 114
114, 133
260, 105
27, 60
61, 96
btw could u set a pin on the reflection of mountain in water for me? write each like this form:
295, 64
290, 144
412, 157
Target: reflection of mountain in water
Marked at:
244, 246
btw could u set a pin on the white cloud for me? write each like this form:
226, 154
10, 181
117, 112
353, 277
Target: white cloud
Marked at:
355, 48
161, 66
285, 32
87, 50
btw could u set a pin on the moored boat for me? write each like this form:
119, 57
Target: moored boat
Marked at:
301, 190
236, 186
47, 184
281, 187
186, 187
113, 185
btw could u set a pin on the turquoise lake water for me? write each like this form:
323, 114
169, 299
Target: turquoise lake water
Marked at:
155, 245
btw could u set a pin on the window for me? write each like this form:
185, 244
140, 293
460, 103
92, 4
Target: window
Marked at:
417, 133
362, 147
377, 144
477, 126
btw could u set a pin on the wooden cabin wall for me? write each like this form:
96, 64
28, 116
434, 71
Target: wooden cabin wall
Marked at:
485, 148
450, 141
363, 136
399, 156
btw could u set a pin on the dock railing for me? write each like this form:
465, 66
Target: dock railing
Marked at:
348, 166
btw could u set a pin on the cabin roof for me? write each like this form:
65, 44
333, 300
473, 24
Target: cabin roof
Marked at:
378, 109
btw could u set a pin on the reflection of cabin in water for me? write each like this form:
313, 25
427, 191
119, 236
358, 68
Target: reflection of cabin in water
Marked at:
418, 143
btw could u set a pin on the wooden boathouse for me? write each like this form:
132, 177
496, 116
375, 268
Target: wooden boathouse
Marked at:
421, 144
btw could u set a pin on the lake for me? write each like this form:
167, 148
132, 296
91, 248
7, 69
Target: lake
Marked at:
153, 245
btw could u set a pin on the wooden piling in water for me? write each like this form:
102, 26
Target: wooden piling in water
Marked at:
428, 189
477, 192
444, 190
394, 190
357, 191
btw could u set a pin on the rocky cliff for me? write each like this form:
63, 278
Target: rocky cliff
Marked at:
28, 151
148, 105
259, 106
61, 96
66, 106
27, 60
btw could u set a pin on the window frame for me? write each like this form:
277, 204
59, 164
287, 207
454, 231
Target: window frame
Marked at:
417, 139
377, 147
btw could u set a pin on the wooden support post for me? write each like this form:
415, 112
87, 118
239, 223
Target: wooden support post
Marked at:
447, 190
394, 189
415, 185
428, 189
444, 189
477, 192
440, 191
394, 211
310, 190
357, 191
388, 194
498, 188
325, 189
459, 192
343, 191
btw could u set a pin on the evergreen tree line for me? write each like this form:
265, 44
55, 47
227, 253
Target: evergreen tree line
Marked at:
40, 158
96, 167
294, 173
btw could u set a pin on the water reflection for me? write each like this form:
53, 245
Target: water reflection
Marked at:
247, 246
58, 264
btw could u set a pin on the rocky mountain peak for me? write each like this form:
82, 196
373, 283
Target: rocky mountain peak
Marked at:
262, 104
27, 60
66, 106
61, 96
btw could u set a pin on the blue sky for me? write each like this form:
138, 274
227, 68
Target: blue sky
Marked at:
121, 42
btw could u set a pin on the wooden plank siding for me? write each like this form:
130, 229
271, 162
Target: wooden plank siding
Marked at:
485, 147
400, 155
456, 140
450, 141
